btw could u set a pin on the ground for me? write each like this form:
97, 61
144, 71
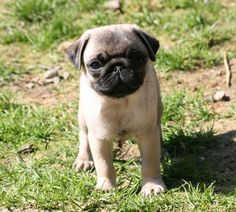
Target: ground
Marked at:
38, 126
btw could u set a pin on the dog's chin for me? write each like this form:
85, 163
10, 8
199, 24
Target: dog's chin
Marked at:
119, 91
119, 85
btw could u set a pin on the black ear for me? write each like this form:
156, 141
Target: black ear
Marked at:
75, 51
150, 42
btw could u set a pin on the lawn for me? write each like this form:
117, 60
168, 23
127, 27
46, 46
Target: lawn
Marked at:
38, 120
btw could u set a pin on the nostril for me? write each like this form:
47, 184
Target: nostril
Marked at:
118, 68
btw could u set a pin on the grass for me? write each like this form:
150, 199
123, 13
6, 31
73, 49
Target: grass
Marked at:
193, 36
45, 180
195, 30
10, 72
36, 11
20, 124
46, 22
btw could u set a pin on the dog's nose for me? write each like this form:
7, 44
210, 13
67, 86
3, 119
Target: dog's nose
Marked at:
118, 68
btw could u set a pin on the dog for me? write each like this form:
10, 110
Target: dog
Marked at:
119, 98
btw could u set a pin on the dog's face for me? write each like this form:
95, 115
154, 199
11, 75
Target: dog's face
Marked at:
114, 58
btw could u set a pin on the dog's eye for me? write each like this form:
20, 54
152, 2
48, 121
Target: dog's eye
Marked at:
95, 65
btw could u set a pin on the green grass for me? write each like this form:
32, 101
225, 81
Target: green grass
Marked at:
62, 189
182, 115
46, 22
20, 124
35, 11
194, 29
10, 72
45, 180
192, 34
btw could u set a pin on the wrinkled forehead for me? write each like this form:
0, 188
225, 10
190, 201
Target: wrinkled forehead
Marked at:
113, 42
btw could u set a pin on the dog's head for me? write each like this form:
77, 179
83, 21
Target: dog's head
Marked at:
114, 58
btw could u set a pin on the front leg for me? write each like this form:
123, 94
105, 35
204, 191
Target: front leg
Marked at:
149, 144
103, 160
84, 160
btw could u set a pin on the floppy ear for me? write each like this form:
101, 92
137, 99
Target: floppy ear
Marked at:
150, 42
75, 51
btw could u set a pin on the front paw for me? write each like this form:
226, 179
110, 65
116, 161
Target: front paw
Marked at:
152, 186
105, 184
81, 164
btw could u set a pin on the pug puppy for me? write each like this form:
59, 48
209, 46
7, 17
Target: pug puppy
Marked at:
119, 98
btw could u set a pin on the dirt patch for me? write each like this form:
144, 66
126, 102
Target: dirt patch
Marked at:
49, 95
206, 80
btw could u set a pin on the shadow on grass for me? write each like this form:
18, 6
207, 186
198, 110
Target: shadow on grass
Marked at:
221, 157
201, 158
